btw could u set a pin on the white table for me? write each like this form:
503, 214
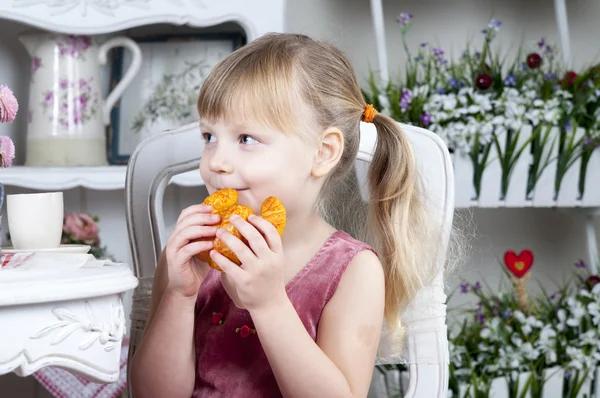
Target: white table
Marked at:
71, 317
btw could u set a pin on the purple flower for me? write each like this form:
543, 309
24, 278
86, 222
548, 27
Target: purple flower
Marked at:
580, 264
438, 52
568, 374
477, 286
523, 66
507, 313
36, 62
554, 295
494, 24
510, 80
591, 143
441, 90
78, 44
424, 44
568, 126
405, 100
541, 43
484, 31
454, 83
480, 318
477, 54
64, 83
404, 18
426, 119
418, 58
7, 151
550, 76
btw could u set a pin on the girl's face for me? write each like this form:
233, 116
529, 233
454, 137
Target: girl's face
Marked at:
259, 162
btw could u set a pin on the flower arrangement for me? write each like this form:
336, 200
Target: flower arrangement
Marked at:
500, 339
9, 107
518, 340
480, 103
82, 229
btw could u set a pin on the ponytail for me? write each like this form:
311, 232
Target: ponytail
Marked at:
397, 220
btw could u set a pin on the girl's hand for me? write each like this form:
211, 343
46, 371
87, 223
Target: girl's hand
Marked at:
259, 282
193, 233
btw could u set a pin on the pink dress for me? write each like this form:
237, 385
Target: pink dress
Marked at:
230, 361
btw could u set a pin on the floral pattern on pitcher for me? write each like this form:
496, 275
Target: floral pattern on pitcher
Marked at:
72, 45
75, 110
36, 63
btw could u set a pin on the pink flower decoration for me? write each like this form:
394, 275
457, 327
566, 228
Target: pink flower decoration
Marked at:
8, 105
82, 227
7, 151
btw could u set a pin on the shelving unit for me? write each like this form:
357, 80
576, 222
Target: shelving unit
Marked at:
97, 178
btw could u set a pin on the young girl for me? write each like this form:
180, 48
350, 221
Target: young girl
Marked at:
302, 316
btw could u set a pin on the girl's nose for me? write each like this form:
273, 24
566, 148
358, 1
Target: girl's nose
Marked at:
220, 162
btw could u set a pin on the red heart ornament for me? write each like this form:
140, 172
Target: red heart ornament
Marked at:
518, 265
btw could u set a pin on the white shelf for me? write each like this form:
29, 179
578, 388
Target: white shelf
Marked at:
99, 178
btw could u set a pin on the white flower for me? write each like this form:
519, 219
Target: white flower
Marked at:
561, 314
449, 103
577, 312
528, 323
529, 352
589, 338
547, 343
578, 359
485, 333
596, 288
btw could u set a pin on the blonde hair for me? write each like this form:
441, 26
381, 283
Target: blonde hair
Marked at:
288, 80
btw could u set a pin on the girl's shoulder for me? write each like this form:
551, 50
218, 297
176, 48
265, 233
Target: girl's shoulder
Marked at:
329, 264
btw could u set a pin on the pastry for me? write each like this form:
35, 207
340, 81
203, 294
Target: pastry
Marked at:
224, 203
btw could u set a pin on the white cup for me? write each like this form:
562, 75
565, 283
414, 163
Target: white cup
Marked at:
35, 220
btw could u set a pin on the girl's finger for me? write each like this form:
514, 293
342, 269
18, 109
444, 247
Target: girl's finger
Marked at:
268, 231
193, 232
201, 208
255, 239
197, 219
243, 252
234, 272
191, 249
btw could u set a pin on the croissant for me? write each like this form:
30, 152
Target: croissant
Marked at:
224, 203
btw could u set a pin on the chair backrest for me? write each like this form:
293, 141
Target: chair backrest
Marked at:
162, 156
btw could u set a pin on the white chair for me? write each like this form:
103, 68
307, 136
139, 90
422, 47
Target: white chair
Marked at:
162, 156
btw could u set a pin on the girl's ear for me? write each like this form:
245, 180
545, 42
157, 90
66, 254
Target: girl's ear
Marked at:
330, 147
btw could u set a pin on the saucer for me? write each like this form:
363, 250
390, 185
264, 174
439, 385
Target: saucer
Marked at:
59, 249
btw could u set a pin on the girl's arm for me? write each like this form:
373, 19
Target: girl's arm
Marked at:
164, 364
340, 363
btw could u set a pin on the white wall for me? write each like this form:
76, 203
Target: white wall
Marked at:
557, 238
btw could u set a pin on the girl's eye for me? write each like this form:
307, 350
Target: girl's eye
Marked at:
248, 139
208, 137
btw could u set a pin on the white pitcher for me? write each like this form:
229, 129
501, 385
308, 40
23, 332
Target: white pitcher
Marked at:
67, 114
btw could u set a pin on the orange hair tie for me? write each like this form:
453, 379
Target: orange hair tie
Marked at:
369, 113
